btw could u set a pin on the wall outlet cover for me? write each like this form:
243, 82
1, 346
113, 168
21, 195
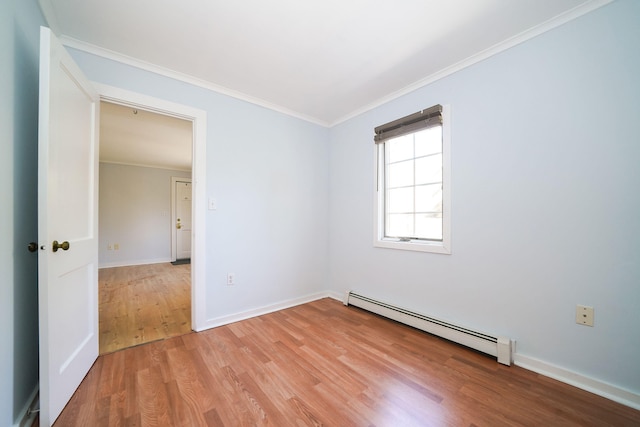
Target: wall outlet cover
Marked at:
584, 315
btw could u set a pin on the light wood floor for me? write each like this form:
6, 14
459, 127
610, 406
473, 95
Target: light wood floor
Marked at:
143, 303
324, 364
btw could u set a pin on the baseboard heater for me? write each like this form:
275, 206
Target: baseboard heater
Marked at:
499, 347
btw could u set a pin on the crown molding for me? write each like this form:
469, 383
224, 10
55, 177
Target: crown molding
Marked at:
481, 56
176, 75
474, 59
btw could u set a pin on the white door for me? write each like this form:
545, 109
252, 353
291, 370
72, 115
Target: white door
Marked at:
183, 220
67, 214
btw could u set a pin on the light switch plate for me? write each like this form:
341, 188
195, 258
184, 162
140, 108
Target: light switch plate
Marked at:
212, 204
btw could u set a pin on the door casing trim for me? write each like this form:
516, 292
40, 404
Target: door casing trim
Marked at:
198, 177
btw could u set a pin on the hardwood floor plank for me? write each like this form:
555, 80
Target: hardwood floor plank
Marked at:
197, 395
181, 414
324, 364
336, 374
143, 303
304, 415
212, 418
146, 398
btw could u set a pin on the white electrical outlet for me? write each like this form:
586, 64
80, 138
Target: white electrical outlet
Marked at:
584, 315
231, 279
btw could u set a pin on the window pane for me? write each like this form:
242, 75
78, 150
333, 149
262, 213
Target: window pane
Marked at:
429, 226
400, 200
400, 148
429, 169
399, 225
400, 174
429, 141
429, 198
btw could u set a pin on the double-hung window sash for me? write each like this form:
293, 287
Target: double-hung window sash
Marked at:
410, 177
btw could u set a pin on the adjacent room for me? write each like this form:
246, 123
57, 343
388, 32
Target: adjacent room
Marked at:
320, 213
144, 249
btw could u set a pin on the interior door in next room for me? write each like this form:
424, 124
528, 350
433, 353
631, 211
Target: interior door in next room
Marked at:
183, 220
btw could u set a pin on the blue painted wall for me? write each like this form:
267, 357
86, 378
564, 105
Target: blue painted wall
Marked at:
546, 206
19, 44
269, 175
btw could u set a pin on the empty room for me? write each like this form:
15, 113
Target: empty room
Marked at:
407, 213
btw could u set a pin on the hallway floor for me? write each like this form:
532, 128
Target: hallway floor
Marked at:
143, 303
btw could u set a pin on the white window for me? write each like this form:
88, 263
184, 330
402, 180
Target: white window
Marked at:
413, 203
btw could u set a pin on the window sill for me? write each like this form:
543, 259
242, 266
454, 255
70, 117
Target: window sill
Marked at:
433, 247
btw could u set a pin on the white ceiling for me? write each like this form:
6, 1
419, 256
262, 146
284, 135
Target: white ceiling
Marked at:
143, 138
323, 60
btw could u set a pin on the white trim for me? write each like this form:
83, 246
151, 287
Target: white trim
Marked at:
259, 311
176, 75
174, 215
198, 175
432, 247
126, 263
443, 247
338, 296
140, 165
592, 385
481, 56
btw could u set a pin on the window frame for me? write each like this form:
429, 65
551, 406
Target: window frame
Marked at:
421, 245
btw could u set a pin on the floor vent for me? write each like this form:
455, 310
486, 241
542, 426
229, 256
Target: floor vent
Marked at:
499, 347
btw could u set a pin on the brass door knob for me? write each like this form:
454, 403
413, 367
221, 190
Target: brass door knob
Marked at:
64, 246
178, 226
33, 246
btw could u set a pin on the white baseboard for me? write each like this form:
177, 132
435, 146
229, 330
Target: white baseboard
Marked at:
339, 296
136, 262
25, 418
592, 385
259, 311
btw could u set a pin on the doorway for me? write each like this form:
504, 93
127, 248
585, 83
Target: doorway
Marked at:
142, 296
181, 211
191, 274
198, 118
